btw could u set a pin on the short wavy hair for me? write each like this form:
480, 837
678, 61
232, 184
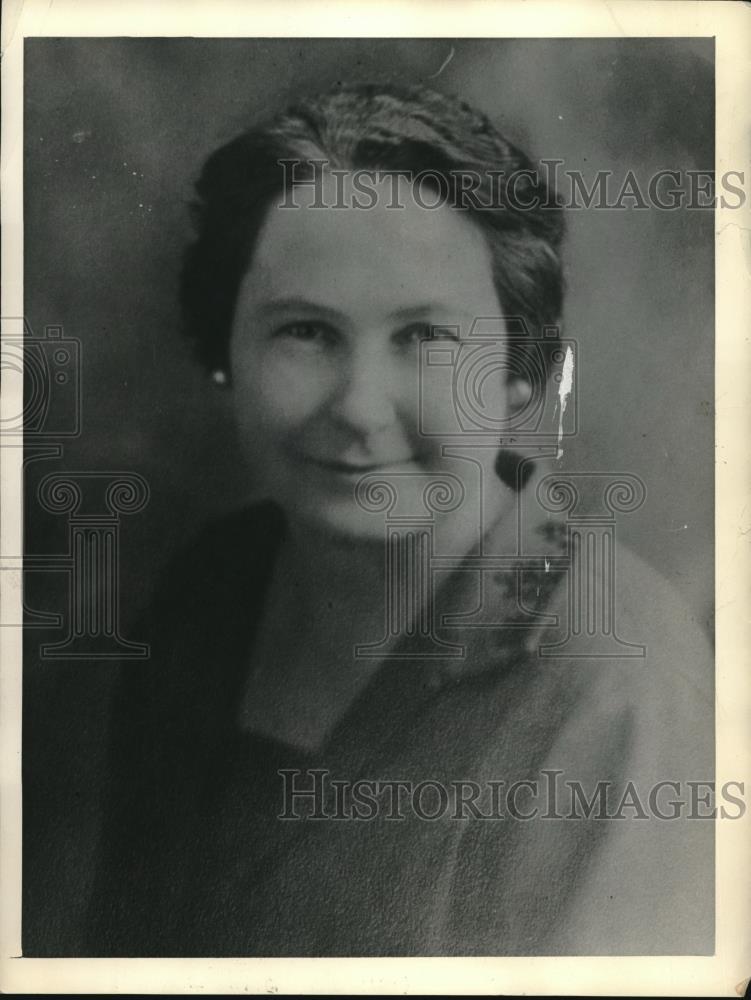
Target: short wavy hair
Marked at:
372, 127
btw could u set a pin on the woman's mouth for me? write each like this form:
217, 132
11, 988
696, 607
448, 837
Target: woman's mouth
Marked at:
355, 470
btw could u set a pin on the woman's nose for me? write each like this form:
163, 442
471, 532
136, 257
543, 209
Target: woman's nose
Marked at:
364, 399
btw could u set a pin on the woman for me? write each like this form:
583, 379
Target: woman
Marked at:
379, 621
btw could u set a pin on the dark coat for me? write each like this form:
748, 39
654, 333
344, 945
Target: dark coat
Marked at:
195, 861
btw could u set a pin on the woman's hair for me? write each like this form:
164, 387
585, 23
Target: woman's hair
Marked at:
381, 128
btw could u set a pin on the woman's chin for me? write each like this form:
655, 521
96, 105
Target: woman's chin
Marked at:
343, 518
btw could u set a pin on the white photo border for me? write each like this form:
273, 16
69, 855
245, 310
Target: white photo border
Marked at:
727, 971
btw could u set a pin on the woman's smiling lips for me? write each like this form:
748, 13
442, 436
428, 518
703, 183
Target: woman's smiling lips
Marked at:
355, 470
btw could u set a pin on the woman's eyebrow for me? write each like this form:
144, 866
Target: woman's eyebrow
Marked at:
294, 302
445, 310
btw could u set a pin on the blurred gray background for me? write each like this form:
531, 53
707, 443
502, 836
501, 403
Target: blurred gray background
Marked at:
116, 131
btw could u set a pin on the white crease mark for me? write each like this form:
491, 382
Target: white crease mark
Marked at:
547, 565
564, 391
443, 65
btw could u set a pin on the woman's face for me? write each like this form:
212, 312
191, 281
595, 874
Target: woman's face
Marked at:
330, 381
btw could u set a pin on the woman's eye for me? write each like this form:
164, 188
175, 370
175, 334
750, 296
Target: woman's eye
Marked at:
414, 333
303, 332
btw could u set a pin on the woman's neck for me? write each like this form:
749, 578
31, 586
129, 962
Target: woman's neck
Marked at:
325, 567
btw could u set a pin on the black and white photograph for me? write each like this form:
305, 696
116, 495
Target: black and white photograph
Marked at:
368, 574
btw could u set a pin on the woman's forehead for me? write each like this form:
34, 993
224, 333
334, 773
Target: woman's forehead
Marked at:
353, 258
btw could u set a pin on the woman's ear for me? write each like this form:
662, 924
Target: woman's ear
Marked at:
519, 393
